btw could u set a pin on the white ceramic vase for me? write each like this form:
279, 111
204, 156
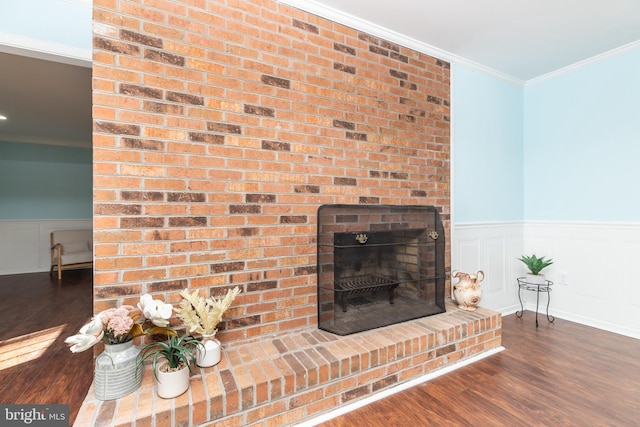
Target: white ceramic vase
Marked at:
209, 354
172, 384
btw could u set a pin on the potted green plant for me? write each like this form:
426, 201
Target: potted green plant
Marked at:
172, 362
535, 266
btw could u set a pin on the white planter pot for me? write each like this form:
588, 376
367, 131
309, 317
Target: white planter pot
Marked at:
536, 279
172, 384
210, 354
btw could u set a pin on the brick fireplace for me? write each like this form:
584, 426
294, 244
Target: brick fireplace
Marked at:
220, 128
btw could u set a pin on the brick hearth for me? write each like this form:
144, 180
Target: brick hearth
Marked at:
286, 379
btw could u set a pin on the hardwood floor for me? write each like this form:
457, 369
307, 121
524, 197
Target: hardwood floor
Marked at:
38, 314
562, 374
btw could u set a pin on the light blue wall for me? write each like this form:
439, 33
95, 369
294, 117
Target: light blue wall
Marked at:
565, 148
32, 19
487, 147
582, 143
45, 182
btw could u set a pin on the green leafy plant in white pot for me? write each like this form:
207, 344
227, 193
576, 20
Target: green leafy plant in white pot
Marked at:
535, 266
172, 362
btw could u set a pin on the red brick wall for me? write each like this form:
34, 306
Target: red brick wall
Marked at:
219, 130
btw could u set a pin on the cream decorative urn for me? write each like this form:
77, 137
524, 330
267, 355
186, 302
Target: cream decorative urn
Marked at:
467, 291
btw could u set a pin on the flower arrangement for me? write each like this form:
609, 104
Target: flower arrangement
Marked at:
201, 315
122, 324
117, 323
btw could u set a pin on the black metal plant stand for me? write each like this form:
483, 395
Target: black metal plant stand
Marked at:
537, 288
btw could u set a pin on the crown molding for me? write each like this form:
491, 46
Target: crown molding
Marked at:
17, 139
86, 3
41, 49
359, 24
585, 63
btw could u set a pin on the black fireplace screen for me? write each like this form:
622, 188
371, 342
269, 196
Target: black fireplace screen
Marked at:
378, 265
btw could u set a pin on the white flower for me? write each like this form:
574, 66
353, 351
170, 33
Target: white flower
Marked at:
156, 311
94, 327
90, 334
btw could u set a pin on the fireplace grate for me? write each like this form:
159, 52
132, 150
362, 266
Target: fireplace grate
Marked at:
362, 285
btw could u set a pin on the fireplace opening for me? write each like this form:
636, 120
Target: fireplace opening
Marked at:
378, 265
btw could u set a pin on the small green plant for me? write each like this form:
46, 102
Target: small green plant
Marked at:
535, 264
177, 351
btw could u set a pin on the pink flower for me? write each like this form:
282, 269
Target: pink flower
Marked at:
107, 315
120, 325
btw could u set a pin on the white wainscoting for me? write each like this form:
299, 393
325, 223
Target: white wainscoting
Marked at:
24, 244
592, 265
597, 261
493, 248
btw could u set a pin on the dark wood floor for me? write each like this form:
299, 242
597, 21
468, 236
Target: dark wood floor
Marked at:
562, 374
37, 314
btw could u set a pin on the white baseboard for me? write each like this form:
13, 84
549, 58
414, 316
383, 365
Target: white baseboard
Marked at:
386, 393
572, 317
596, 323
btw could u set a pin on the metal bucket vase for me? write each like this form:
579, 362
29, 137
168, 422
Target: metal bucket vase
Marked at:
117, 372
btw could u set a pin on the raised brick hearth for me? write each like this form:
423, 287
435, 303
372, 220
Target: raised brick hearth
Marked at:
287, 379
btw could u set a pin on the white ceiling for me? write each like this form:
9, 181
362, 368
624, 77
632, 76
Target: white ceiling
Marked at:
50, 102
45, 102
519, 38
